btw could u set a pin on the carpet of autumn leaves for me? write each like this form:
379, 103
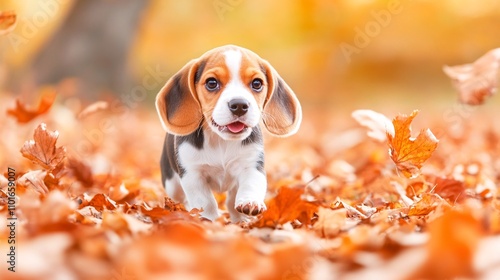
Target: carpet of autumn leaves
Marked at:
90, 204
349, 198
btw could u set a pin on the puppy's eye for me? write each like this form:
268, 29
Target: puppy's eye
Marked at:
211, 84
257, 85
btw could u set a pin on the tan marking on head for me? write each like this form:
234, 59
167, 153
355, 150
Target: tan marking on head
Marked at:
251, 69
215, 68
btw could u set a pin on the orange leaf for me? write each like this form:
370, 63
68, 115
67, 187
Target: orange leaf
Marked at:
330, 222
42, 150
24, 114
172, 206
453, 241
410, 153
287, 206
478, 80
8, 21
99, 202
424, 206
155, 214
450, 189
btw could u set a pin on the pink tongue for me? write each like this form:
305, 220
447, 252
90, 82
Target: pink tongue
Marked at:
235, 127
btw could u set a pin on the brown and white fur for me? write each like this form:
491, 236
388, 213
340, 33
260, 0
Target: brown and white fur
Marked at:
211, 110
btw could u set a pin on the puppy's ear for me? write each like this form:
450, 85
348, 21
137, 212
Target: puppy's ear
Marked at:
282, 113
177, 103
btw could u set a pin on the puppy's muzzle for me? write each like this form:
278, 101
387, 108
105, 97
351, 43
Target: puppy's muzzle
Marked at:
238, 106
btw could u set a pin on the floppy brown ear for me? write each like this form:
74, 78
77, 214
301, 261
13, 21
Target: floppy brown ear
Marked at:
177, 103
282, 111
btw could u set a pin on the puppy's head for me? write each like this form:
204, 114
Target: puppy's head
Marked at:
231, 89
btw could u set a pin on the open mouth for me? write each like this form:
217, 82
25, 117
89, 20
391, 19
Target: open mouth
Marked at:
234, 127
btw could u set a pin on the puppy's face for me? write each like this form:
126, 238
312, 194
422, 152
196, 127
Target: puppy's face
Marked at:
229, 90
232, 89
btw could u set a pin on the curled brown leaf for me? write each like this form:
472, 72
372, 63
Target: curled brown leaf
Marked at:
42, 149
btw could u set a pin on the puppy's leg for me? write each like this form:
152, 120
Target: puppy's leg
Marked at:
251, 192
199, 195
170, 170
174, 189
230, 205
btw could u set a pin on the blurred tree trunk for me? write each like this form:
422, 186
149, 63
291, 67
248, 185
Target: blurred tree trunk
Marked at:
92, 45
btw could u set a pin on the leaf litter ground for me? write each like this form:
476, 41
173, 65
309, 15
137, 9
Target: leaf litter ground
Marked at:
361, 199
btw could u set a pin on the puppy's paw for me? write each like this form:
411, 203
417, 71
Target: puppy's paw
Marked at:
251, 208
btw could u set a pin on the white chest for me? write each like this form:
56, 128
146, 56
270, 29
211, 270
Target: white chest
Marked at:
220, 162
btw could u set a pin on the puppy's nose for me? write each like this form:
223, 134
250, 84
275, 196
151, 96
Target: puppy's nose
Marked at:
239, 107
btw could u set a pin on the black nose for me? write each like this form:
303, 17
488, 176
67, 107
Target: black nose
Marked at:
239, 107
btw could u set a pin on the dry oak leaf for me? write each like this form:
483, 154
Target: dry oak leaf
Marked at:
410, 153
23, 114
287, 206
478, 80
42, 149
8, 20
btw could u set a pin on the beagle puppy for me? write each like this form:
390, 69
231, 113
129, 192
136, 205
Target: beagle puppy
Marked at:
211, 110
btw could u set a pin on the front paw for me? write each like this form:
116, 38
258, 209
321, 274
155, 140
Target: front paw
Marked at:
251, 208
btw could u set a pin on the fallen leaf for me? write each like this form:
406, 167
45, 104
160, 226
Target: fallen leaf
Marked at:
173, 206
93, 108
424, 206
378, 125
81, 171
52, 179
99, 202
478, 80
120, 193
453, 240
24, 114
330, 222
153, 214
34, 180
55, 208
115, 222
287, 206
450, 189
410, 153
42, 149
351, 211
8, 21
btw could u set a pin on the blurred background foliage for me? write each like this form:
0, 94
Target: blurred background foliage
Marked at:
335, 54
